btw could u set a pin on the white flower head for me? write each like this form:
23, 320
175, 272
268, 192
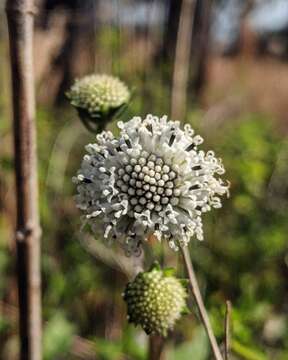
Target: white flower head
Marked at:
152, 179
98, 94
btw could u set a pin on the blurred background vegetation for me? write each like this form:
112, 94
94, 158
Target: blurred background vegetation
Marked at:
237, 90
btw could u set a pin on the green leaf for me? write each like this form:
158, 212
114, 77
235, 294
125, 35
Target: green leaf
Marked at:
186, 311
185, 283
246, 352
169, 272
155, 266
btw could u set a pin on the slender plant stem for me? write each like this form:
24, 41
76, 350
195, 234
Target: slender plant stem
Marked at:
227, 329
20, 16
182, 59
156, 346
199, 302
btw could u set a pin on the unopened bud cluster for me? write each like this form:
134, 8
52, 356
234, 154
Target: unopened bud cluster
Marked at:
155, 300
98, 94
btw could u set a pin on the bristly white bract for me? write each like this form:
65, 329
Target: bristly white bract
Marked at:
152, 179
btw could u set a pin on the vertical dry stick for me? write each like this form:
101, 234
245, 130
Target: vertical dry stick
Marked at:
182, 58
156, 346
201, 40
227, 329
199, 302
20, 26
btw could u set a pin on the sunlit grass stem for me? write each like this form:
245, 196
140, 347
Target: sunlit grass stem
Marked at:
200, 304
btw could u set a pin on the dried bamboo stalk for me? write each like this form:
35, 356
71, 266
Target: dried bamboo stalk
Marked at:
20, 16
182, 59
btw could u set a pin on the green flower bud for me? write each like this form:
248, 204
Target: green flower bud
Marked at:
98, 97
155, 300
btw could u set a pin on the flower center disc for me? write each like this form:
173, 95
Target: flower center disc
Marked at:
148, 183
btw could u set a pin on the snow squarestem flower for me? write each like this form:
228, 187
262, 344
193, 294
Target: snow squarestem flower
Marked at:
151, 180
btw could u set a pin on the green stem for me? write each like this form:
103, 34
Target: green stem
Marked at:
200, 304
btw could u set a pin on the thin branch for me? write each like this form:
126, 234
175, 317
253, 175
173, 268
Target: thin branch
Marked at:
199, 302
182, 59
156, 347
227, 329
20, 16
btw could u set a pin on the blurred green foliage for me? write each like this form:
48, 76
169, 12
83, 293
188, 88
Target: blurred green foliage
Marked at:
243, 257
58, 337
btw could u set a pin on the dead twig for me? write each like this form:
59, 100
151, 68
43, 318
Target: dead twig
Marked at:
20, 17
182, 59
199, 302
227, 329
